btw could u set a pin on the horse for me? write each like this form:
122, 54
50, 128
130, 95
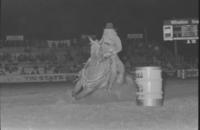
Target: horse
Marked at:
95, 73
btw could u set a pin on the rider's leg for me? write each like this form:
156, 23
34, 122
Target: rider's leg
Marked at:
120, 70
113, 72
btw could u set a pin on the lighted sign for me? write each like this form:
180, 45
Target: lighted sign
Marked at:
168, 32
180, 29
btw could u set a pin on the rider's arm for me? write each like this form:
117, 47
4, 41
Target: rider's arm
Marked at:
117, 45
114, 43
115, 48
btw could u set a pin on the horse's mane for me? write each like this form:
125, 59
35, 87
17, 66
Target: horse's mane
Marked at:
96, 64
96, 51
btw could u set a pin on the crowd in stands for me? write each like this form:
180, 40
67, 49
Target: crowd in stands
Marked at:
42, 60
70, 58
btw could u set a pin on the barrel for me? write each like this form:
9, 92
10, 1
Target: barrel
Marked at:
149, 86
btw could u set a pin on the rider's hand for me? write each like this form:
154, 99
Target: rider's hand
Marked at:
107, 54
111, 52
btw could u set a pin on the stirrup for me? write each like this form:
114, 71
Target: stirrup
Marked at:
120, 79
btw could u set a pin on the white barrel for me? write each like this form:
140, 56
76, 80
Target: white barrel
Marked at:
149, 86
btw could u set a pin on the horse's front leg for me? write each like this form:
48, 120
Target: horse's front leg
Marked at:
85, 92
77, 88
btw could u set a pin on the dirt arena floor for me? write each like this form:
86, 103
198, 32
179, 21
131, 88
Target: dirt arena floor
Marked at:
49, 106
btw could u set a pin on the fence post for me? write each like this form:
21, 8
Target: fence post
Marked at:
183, 74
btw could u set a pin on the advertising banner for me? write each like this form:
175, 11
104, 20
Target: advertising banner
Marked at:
36, 78
15, 38
135, 36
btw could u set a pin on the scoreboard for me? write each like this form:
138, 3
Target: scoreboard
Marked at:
180, 29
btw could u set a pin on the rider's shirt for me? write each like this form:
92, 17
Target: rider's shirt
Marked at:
111, 41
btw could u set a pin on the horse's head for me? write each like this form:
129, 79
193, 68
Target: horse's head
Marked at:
95, 50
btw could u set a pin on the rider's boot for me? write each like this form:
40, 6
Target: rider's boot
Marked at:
121, 72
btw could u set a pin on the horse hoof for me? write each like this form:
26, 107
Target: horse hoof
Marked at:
73, 94
76, 98
73, 98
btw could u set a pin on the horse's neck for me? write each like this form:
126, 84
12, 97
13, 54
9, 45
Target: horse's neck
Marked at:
94, 59
94, 52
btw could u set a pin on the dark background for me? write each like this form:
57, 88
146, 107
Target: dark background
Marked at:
60, 19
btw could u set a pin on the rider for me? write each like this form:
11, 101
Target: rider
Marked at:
111, 45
